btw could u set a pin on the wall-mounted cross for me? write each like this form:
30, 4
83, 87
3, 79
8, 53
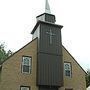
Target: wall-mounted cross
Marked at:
51, 34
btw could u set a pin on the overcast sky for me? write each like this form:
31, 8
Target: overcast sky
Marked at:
18, 17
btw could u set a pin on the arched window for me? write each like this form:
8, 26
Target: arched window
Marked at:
26, 64
67, 69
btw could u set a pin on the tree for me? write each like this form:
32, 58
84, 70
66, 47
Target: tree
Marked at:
3, 53
88, 78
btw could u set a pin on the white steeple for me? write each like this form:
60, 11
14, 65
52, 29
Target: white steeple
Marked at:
47, 8
46, 16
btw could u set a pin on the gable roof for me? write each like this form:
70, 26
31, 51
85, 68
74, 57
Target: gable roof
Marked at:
34, 40
74, 59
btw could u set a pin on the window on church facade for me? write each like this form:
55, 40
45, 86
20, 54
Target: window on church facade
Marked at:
26, 64
24, 88
67, 69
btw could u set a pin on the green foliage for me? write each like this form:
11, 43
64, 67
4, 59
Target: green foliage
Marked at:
3, 53
88, 78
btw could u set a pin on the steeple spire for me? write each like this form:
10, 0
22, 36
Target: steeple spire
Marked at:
47, 8
47, 16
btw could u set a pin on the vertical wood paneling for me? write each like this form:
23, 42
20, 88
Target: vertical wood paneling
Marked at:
50, 70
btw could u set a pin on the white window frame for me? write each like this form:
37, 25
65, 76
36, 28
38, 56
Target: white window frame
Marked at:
29, 64
24, 88
67, 69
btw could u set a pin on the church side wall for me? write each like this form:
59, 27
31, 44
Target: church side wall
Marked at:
77, 81
12, 78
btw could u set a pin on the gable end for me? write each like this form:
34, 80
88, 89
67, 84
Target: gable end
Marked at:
74, 59
18, 51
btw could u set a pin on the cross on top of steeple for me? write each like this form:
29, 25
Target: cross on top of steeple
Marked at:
47, 7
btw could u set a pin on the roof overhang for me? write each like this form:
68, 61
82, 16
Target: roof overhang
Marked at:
39, 22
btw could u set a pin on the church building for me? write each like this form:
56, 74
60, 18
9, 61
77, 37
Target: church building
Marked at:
44, 63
